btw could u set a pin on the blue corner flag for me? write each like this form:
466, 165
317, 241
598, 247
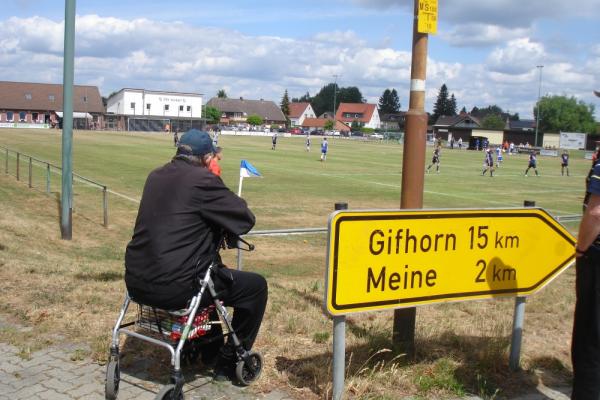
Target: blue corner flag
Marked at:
247, 170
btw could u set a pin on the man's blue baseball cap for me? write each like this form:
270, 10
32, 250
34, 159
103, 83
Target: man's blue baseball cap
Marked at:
199, 141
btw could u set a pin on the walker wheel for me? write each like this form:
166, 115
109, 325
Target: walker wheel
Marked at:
248, 371
111, 387
166, 393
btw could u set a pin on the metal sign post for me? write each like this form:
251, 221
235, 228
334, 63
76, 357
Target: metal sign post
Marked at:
66, 217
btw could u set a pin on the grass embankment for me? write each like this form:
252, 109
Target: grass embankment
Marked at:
72, 290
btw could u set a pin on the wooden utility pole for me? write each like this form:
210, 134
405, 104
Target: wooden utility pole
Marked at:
413, 162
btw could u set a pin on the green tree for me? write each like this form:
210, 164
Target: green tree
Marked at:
442, 104
389, 102
285, 104
493, 121
328, 125
304, 99
452, 105
561, 113
254, 119
212, 114
323, 101
463, 110
221, 94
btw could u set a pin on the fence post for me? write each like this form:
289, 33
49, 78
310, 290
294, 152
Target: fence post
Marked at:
48, 178
18, 158
30, 172
518, 318
339, 344
105, 205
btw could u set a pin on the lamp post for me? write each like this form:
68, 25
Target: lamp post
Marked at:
537, 114
334, 95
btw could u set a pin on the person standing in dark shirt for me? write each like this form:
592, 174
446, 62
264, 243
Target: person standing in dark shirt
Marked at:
184, 212
585, 345
564, 162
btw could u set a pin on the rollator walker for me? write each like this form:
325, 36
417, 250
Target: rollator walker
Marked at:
184, 333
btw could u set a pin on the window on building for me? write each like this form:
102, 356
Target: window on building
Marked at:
84, 98
22, 116
147, 106
35, 116
180, 108
51, 97
132, 105
27, 96
10, 116
166, 107
189, 108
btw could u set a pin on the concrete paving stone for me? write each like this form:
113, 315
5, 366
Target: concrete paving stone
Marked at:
83, 390
57, 384
53, 395
10, 368
27, 392
87, 369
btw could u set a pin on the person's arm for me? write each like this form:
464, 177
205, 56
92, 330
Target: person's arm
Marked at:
589, 228
223, 208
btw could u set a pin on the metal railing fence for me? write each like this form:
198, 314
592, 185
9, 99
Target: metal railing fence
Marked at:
49, 168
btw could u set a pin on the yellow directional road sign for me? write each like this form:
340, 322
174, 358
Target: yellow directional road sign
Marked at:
389, 259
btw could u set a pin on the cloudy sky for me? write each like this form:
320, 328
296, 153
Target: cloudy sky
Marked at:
485, 51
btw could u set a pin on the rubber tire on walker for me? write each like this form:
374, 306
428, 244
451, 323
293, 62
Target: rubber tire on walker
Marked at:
111, 387
166, 393
246, 373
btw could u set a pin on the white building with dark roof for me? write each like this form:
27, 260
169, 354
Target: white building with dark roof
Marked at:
154, 110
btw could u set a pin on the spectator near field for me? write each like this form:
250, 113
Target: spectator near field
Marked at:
532, 163
564, 163
324, 148
175, 138
488, 163
274, 141
184, 212
213, 165
585, 345
460, 143
308, 142
435, 160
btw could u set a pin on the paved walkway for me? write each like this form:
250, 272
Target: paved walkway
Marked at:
51, 374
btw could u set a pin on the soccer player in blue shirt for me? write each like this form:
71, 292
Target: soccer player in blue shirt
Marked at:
532, 163
324, 148
564, 163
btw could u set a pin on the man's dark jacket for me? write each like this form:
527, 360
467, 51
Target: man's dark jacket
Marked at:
183, 212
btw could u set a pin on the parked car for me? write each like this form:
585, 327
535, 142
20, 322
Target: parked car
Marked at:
296, 131
376, 136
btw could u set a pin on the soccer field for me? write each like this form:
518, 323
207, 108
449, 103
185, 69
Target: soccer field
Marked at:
296, 186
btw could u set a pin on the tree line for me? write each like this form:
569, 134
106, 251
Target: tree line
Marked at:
557, 113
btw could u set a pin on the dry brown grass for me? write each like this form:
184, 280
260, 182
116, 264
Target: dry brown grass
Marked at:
72, 290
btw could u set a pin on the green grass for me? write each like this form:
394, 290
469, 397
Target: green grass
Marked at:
298, 190
48, 283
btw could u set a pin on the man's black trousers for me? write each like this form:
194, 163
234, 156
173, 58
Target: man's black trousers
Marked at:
585, 348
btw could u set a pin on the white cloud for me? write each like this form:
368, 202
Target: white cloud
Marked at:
482, 35
114, 53
517, 57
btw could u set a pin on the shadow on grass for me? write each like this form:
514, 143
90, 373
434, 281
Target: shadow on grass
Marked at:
454, 364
